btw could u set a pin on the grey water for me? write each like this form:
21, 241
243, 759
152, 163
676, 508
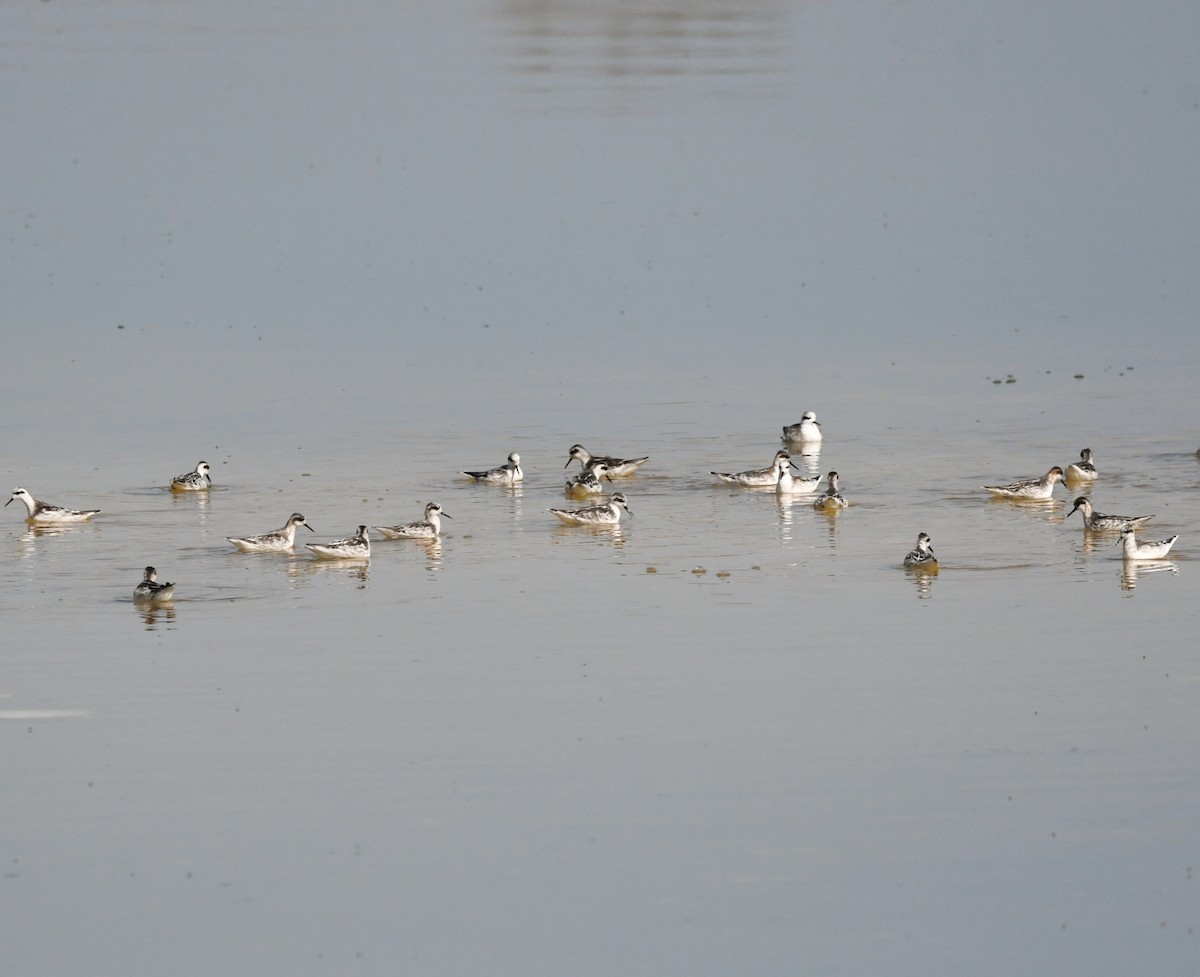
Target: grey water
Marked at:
343, 254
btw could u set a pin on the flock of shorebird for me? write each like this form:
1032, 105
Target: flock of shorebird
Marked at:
595, 470
1084, 473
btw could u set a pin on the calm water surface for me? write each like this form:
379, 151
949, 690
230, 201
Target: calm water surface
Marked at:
731, 736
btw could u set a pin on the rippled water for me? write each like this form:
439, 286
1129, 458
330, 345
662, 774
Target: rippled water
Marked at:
732, 735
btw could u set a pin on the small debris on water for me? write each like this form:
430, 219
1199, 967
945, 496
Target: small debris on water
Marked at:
652, 569
1078, 376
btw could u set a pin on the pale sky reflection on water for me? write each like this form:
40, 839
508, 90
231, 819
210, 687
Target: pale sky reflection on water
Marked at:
344, 254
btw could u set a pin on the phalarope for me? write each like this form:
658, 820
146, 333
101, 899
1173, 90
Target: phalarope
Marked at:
789, 484
1099, 522
1151, 549
44, 512
428, 528
606, 514
922, 556
1082, 470
196, 481
758, 477
587, 482
617, 467
148, 590
807, 429
508, 474
357, 547
831, 498
277, 541
1031, 489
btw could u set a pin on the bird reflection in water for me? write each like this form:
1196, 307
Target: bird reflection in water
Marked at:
358, 570
787, 515
28, 540
807, 457
615, 533
199, 500
923, 578
152, 612
790, 506
1130, 571
433, 552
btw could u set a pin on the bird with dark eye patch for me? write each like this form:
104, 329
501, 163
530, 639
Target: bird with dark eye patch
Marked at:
1029, 489
280, 540
428, 528
607, 514
194, 481
1099, 522
507, 474
922, 556
617, 467
758, 477
806, 429
43, 513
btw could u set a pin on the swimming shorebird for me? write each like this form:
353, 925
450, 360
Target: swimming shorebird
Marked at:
356, 547
1099, 522
617, 467
922, 556
1082, 470
148, 590
196, 481
1151, 549
428, 528
587, 482
1029, 490
807, 429
606, 514
831, 498
758, 477
44, 512
507, 474
277, 541
790, 484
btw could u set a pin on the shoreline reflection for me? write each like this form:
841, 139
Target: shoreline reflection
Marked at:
626, 52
